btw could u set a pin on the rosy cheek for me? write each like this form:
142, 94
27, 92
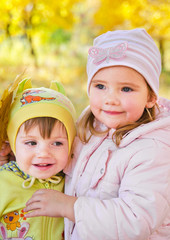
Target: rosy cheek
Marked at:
131, 109
94, 104
128, 105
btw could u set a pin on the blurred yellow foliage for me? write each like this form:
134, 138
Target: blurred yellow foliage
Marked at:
51, 39
151, 14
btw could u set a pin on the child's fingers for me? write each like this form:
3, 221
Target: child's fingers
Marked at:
11, 157
5, 150
35, 213
34, 205
3, 160
35, 209
6, 158
6, 154
32, 200
36, 197
38, 193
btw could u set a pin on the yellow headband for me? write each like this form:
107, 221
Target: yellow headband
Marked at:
40, 102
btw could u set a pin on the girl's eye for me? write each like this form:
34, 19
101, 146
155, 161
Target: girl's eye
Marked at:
31, 143
100, 86
57, 143
127, 89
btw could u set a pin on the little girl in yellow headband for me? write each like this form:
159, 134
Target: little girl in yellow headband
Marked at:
40, 126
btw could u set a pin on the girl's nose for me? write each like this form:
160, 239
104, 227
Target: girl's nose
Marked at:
43, 150
112, 98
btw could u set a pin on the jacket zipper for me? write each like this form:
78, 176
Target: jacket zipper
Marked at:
46, 220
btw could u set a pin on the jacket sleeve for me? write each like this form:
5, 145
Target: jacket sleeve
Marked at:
142, 204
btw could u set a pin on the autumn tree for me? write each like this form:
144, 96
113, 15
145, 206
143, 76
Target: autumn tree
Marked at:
34, 18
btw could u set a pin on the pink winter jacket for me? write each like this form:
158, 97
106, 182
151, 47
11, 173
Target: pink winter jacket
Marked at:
123, 192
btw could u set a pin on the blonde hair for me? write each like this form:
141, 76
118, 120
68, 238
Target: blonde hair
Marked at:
45, 124
87, 122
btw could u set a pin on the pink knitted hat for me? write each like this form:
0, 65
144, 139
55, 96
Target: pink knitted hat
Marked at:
132, 48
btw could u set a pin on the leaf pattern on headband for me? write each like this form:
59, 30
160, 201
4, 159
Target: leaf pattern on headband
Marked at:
105, 54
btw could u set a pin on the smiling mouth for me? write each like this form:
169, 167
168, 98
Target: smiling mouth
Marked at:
43, 165
112, 112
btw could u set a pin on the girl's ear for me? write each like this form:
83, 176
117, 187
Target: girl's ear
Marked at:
151, 101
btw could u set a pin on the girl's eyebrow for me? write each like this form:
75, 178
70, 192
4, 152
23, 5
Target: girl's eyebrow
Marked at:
132, 84
58, 137
98, 80
27, 136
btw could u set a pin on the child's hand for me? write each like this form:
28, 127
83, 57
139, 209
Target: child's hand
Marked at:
6, 154
51, 203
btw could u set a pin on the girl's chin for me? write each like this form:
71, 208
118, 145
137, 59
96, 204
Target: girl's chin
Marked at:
41, 176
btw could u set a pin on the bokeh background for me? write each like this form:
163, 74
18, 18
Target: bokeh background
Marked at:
50, 39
